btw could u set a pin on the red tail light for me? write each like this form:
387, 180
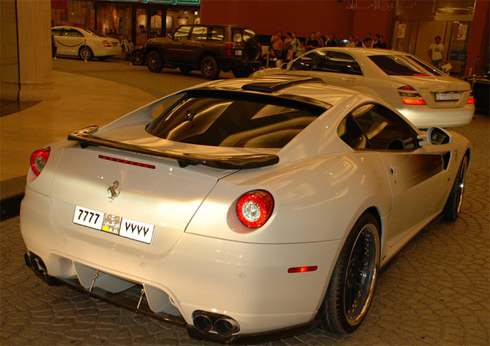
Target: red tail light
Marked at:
229, 49
410, 96
39, 158
420, 74
470, 100
406, 88
107, 44
254, 208
413, 102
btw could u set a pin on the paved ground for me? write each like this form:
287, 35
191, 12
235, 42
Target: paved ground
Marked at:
436, 291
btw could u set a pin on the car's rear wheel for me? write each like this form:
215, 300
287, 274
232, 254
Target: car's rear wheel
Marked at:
353, 282
154, 61
210, 68
85, 53
137, 57
455, 199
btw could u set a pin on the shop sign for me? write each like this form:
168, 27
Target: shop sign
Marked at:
462, 30
402, 28
458, 55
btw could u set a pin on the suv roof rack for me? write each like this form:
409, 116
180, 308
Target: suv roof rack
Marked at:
275, 83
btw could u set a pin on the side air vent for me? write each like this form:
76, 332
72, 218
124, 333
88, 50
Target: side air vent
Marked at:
278, 82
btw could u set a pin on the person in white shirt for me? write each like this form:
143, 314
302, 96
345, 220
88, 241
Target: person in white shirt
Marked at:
436, 53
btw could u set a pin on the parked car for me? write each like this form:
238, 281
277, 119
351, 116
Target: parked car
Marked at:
208, 48
84, 43
241, 207
481, 92
421, 92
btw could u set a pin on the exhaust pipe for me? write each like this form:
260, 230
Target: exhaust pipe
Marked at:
39, 268
203, 323
226, 326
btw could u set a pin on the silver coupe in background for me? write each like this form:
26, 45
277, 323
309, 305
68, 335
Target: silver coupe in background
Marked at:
423, 94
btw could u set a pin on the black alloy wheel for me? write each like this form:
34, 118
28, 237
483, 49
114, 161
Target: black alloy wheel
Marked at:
353, 282
154, 62
210, 68
454, 202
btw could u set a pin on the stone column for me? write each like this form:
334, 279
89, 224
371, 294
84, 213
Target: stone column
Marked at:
34, 42
9, 72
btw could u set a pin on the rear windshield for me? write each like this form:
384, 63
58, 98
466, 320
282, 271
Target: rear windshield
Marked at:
96, 33
233, 120
404, 65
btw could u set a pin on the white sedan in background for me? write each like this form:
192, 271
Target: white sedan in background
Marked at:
241, 206
84, 43
422, 93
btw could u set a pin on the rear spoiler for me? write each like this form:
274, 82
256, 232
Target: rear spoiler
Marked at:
85, 138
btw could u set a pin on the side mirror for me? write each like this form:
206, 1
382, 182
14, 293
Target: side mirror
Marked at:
435, 136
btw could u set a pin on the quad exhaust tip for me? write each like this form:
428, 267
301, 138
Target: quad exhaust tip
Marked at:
223, 325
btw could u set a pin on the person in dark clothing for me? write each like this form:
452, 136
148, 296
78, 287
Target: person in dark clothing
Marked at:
311, 42
380, 43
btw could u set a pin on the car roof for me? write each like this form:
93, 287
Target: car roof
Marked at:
310, 89
363, 50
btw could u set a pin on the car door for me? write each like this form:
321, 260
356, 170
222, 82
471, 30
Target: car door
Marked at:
176, 50
414, 175
70, 41
333, 67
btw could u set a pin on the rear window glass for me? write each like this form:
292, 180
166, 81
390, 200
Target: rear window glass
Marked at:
233, 120
402, 65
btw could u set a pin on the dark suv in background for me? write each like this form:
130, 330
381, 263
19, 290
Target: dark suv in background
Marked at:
208, 48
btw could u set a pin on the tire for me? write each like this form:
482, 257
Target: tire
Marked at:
85, 53
154, 62
137, 57
241, 72
210, 68
353, 282
452, 209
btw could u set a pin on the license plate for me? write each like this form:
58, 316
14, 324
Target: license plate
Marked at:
117, 225
447, 96
238, 52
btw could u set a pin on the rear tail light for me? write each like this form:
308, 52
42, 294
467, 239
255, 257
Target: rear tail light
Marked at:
107, 44
471, 100
413, 102
254, 208
229, 49
39, 158
410, 96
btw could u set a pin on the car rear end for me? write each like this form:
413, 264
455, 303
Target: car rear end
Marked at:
103, 45
152, 216
241, 51
425, 95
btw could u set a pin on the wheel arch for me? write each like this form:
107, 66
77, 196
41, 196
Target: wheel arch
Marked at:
206, 54
85, 46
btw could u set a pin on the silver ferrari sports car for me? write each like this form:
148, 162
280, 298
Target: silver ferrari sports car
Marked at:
241, 208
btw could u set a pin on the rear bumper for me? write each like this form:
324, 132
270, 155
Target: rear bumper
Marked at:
424, 117
247, 282
231, 63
